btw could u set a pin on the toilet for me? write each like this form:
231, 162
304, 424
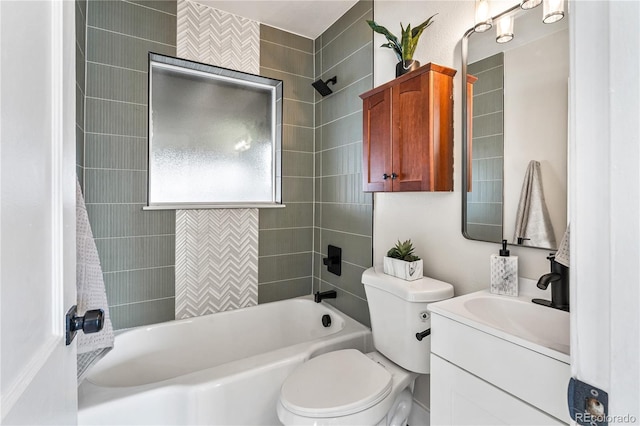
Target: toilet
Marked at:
348, 387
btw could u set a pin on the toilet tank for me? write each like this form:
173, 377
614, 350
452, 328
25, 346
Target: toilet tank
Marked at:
398, 311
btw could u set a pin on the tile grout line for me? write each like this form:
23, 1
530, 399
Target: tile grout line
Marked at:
131, 36
142, 301
115, 66
285, 46
139, 269
117, 101
343, 31
285, 72
150, 8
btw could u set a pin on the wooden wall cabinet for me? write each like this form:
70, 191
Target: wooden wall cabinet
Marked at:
408, 132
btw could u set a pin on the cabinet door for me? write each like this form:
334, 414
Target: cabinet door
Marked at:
376, 142
412, 153
460, 398
423, 133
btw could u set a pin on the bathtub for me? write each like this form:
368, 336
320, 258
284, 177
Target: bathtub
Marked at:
224, 368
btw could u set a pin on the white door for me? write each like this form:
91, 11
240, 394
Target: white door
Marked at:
37, 211
605, 202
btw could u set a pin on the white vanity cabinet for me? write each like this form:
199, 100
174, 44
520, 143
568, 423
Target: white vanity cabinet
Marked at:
484, 375
465, 399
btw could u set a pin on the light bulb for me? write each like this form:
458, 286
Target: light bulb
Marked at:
504, 29
552, 11
483, 17
530, 4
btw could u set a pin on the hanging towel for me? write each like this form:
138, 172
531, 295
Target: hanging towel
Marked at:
91, 292
532, 218
562, 255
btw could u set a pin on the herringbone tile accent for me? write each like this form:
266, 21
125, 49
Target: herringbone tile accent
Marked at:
216, 250
218, 38
216, 260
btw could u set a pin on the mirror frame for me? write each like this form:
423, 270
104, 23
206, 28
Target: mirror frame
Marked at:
465, 130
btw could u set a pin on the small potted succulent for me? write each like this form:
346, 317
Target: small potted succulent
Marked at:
402, 263
406, 46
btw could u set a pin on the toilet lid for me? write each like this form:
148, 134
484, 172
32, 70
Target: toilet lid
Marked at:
335, 384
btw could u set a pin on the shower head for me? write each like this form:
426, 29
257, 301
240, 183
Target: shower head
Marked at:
322, 86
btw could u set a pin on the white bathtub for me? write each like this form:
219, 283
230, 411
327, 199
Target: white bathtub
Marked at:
225, 368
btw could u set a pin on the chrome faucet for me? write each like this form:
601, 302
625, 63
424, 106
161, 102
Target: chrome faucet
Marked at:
559, 280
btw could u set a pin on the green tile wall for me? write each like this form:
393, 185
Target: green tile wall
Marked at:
136, 247
343, 213
321, 170
81, 63
484, 202
286, 235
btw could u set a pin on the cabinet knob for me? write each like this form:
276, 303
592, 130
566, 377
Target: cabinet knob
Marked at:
392, 176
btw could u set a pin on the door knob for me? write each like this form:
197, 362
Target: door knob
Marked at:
91, 322
385, 176
394, 176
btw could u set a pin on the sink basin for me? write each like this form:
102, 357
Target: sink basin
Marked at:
517, 319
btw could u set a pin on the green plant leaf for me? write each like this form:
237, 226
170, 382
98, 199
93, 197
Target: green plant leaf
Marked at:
403, 250
406, 47
410, 49
393, 42
406, 43
418, 30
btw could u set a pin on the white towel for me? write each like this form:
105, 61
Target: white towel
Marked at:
532, 219
91, 292
562, 255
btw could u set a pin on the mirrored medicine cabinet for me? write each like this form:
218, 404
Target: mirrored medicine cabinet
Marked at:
515, 114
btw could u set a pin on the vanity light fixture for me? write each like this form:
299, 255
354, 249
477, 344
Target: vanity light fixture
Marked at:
483, 16
504, 29
530, 4
552, 11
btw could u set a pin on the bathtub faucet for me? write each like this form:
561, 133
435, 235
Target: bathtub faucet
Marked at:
331, 294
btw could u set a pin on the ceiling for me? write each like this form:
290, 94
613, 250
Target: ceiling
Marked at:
308, 18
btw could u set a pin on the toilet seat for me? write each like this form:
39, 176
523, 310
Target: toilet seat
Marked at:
336, 384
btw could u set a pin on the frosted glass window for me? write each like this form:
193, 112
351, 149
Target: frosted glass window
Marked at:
214, 136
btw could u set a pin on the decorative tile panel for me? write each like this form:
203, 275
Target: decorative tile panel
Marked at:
216, 260
218, 38
216, 250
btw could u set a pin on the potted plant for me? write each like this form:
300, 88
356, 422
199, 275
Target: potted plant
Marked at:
402, 263
406, 47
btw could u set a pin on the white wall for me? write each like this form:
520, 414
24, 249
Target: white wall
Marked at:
433, 220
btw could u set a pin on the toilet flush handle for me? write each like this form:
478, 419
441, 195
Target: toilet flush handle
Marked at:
423, 334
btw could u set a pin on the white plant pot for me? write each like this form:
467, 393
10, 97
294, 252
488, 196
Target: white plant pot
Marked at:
408, 271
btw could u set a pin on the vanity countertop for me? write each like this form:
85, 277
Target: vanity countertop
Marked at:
515, 319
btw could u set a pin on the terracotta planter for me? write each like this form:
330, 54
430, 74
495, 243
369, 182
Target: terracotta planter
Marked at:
409, 271
405, 66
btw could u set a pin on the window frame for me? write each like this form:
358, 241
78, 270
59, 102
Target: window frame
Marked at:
158, 61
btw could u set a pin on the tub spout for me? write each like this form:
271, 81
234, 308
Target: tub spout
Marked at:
318, 297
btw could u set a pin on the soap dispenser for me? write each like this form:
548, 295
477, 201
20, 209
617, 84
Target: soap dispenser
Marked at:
504, 272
